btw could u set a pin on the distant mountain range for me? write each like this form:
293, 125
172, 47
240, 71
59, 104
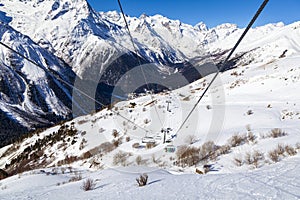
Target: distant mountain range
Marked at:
75, 45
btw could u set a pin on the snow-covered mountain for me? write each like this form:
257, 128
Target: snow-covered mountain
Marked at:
92, 50
244, 135
31, 96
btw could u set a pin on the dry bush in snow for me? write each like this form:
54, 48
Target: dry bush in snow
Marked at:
187, 156
237, 140
254, 158
139, 160
106, 147
280, 149
207, 150
291, 151
251, 137
273, 155
277, 132
117, 142
224, 149
150, 145
238, 161
88, 184
115, 133
142, 180
120, 158
75, 178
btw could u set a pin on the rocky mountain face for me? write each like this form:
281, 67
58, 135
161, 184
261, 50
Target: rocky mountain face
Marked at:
31, 96
75, 45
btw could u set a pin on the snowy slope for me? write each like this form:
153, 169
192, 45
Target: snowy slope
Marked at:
254, 98
280, 181
97, 46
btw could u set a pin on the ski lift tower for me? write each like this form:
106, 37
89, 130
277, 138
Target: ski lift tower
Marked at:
168, 106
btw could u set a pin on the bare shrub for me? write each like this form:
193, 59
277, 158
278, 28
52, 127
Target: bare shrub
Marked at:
256, 157
75, 178
190, 139
251, 137
237, 140
127, 139
115, 133
248, 158
291, 151
224, 149
68, 160
188, 156
86, 155
238, 161
106, 147
138, 160
142, 180
120, 158
273, 155
150, 145
88, 184
277, 132
83, 121
117, 142
280, 149
207, 149
82, 143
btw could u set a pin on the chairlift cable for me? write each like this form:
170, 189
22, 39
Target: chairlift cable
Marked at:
139, 60
258, 12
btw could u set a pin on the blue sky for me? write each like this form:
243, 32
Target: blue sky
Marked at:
211, 12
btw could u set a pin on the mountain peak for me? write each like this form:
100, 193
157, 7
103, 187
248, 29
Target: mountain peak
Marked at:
226, 26
201, 26
143, 16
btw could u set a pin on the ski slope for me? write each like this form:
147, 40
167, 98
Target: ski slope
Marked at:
280, 181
